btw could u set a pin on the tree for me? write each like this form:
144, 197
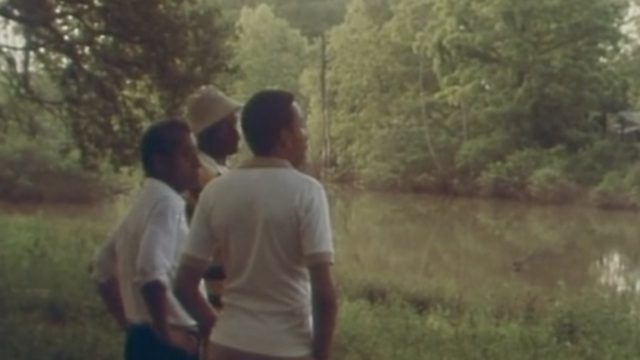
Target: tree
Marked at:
526, 72
356, 58
112, 66
380, 87
312, 17
269, 52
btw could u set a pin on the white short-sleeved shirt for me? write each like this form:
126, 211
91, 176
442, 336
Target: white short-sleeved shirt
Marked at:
271, 222
145, 247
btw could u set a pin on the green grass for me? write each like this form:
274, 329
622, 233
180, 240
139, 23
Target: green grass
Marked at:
49, 310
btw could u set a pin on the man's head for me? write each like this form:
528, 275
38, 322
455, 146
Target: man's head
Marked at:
169, 154
212, 116
274, 126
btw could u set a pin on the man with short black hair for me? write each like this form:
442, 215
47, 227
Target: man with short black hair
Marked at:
272, 225
135, 267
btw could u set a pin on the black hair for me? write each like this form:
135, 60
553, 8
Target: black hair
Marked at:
161, 138
264, 116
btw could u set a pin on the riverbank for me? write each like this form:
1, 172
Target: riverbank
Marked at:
618, 191
49, 303
606, 176
75, 187
602, 173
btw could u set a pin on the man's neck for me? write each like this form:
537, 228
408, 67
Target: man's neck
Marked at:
219, 159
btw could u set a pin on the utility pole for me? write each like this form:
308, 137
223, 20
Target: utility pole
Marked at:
326, 125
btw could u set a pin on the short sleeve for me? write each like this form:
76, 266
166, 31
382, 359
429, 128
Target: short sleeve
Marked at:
201, 242
157, 251
315, 226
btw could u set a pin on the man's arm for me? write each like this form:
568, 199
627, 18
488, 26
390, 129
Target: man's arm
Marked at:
188, 292
317, 246
154, 263
325, 309
104, 273
194, 262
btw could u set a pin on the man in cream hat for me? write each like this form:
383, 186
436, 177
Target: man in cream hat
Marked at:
213, 118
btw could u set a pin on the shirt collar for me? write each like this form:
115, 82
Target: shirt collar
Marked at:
266, 162
162, 188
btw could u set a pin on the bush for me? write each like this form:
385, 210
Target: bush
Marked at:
50, 310
551, 184
510, 178
36, 171
619, 189
590, 165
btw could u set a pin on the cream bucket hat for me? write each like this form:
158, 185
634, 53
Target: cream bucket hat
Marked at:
207, 106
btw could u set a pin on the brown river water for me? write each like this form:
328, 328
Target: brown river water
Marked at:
466, 244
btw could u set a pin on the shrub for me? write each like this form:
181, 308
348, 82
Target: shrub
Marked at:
619, 189
49, 310
37, 171
551, 184
510, 177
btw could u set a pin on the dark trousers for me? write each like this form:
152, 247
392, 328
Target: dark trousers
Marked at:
142, 343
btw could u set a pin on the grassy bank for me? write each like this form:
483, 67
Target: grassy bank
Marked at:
50, 311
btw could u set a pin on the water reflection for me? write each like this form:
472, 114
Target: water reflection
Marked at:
475, 244
468, 245
618, 272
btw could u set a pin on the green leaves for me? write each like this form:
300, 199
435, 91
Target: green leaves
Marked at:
270, 53
117, 65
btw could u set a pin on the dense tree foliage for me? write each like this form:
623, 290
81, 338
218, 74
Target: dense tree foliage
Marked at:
268, 52
107, 67
312, 17
508, 98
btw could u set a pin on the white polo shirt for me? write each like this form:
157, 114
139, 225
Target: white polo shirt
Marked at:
271, 222
145, 247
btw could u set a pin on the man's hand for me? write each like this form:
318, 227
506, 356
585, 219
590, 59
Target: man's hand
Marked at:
180, 338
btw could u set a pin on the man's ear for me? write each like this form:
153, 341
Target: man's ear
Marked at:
286, 138
159, 163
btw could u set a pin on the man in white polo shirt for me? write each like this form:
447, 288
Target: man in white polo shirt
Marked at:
272, 224
135, 267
